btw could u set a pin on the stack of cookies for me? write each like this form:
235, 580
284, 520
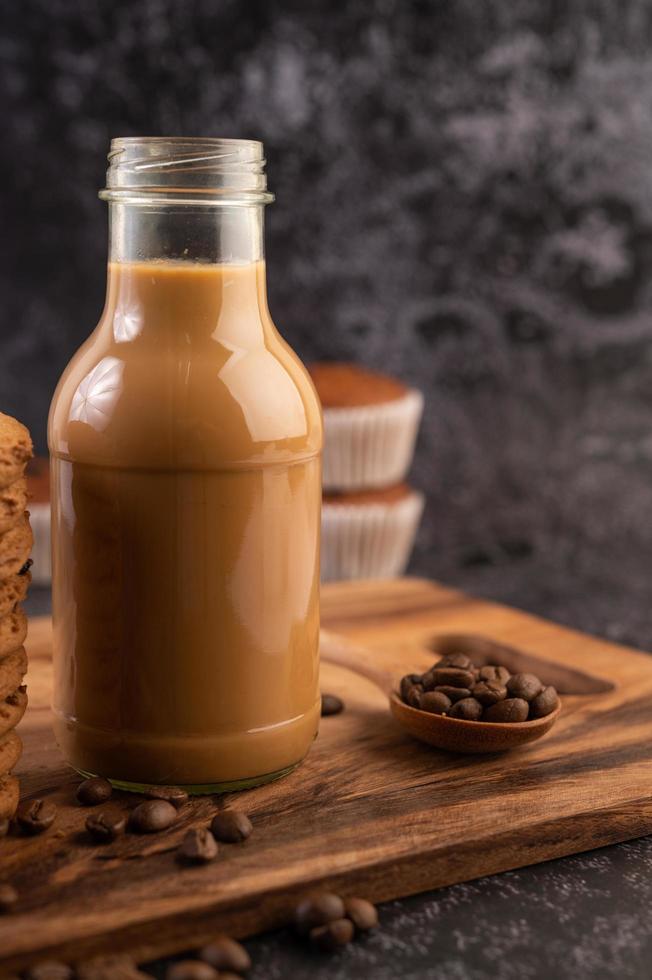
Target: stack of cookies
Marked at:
370, 515
15, 577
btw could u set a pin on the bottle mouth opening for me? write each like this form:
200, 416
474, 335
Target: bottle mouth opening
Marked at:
188, 170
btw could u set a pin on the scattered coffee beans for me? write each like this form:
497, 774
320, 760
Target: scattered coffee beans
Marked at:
104, 827
317, 909
152, 816
173, 794
49, 970
8, 898
226, 954
455, 688
191, 970
231, 826
332, 935
119, 967
362, 913
198, 847
94, 791
35, 816
331, 705
330, 921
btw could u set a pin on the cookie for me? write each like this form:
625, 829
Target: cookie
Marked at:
13, 590
12, 709
15, 449
15, 546
11, 749
9, 794
13, 667
13, 500
13, 630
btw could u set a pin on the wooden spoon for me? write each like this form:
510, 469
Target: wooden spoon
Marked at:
452, 734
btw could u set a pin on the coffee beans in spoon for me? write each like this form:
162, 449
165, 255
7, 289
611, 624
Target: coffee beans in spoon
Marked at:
456, 688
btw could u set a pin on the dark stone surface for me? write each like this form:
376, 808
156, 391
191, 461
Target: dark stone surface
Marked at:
583, 918
465, 200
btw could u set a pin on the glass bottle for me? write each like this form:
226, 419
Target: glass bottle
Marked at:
185, 440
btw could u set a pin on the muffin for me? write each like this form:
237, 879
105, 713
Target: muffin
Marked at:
370, 426
38, 487
370, 533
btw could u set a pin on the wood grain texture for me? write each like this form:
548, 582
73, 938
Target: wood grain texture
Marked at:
365, 802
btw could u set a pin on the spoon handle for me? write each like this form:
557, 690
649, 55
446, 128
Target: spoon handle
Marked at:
336, 649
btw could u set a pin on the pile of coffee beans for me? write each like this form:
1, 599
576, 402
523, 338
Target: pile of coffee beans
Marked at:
329, 921
455, 687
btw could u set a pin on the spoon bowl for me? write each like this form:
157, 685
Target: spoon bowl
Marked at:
450, 734
458, 735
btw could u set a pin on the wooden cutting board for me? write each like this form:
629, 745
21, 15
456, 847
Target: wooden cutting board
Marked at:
370, 812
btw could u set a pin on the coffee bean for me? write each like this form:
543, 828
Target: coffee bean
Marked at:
191, 970
452, 677
362, 913
489, 692
407, 682
173, 794
525, 686
317, 909
468, 709
35, 816
331, 705
118, 967
4, 827
459, 660
494, 673
414, 695
198, 846
231, 826
49, 970
93, 791
8, 898
332, 935
545, 703
435, 702
105, 826
509, 710
453, 693
226, 954
152, 816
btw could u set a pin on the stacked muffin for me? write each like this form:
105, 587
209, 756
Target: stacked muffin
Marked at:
15, 577
370, 516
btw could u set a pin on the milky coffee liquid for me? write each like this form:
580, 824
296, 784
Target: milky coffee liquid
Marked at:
185, 440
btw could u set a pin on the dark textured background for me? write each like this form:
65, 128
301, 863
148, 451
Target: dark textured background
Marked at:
464, 198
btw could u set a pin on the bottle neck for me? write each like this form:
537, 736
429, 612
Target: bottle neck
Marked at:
224, 235
187, 274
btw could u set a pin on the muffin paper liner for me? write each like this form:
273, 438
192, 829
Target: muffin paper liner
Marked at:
371, 445
39, 518
368, 540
